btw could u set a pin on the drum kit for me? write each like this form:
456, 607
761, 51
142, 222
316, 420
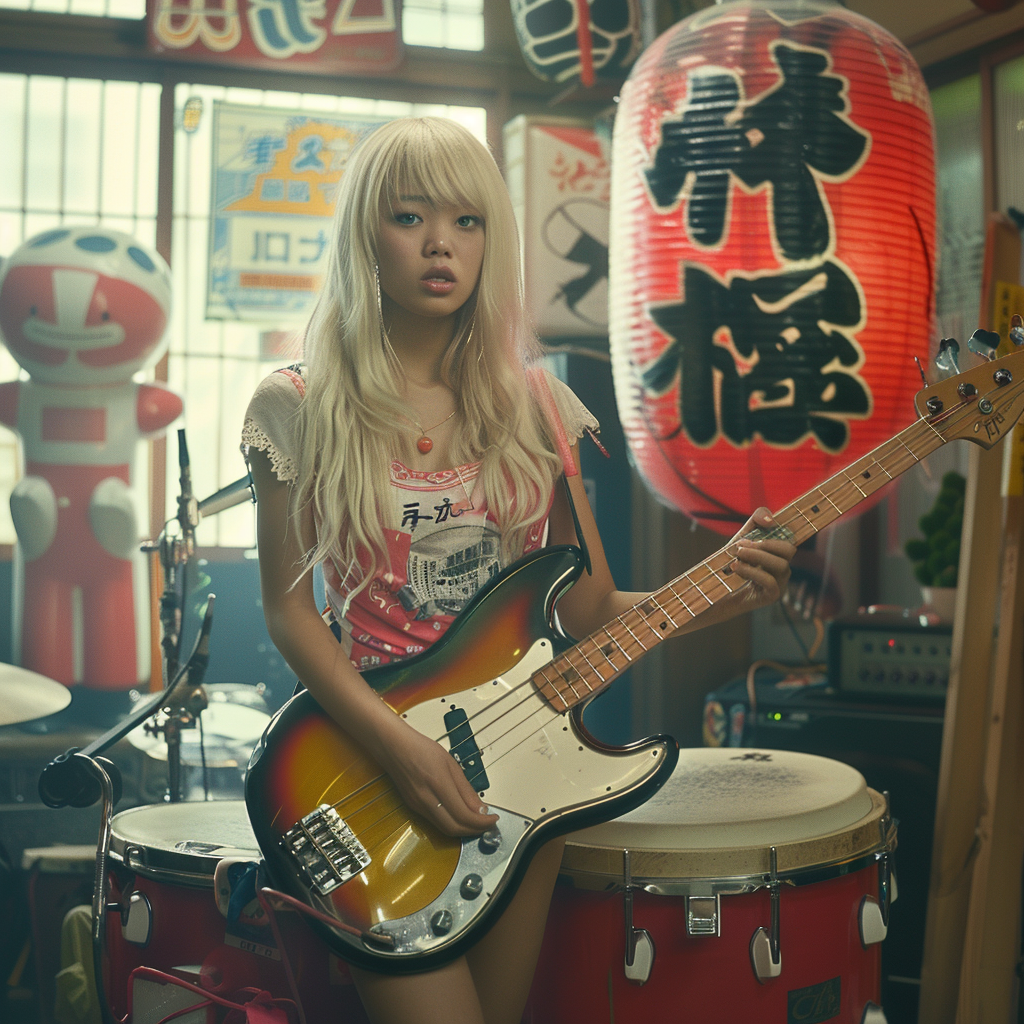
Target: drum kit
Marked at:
755, 885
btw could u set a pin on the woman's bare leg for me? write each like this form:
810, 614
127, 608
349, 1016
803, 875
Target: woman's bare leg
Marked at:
445, 996
490, 984
503, 961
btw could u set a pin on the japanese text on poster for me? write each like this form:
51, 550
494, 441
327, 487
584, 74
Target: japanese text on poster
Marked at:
275, 176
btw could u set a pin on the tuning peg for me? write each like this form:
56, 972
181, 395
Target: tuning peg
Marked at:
1017, 329
948, 358
984, 343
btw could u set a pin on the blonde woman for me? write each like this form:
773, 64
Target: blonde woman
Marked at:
411, 457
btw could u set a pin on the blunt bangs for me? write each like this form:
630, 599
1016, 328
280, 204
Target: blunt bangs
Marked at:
443, 163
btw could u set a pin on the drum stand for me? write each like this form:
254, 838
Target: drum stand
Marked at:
78, 778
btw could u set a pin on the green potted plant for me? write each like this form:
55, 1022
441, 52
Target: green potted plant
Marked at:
936, 557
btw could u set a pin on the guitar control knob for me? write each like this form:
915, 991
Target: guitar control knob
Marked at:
441, 922
490, 841
472, 886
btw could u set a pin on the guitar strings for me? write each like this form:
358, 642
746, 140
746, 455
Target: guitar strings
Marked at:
781, 530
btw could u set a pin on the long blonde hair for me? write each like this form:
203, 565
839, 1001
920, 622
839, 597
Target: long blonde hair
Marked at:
352, 401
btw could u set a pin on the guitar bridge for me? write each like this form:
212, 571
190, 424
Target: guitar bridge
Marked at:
326, 849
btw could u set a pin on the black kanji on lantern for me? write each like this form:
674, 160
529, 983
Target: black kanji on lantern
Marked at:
783, 138
785, 367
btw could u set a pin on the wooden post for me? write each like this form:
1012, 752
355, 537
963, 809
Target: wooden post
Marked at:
958, 808
988, 978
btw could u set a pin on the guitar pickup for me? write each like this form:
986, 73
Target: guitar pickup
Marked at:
464, 748
326, 849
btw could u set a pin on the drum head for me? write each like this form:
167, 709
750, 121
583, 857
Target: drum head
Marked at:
721, 812
182, 842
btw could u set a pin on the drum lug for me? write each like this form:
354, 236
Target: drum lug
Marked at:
873, 1014
639, 945
765, 946
873, 926
704, 915
136, 919
886, 867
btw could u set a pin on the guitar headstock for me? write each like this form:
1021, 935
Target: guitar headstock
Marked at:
980, 404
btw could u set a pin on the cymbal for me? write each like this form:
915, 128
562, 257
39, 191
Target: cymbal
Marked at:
25, 695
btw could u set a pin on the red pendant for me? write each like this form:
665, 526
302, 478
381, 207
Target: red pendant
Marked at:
424, 444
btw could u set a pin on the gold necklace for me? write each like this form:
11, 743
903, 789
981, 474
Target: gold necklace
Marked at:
423, 443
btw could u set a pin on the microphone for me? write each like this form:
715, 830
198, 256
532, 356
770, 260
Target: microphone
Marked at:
200, 659
190, 675
188, 509
66, 781
235, 493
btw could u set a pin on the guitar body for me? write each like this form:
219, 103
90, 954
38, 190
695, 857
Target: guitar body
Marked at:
411, 897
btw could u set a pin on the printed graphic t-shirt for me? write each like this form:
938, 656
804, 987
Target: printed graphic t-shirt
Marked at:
443, 545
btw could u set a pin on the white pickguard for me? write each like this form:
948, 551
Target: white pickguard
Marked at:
537, 768
536, 764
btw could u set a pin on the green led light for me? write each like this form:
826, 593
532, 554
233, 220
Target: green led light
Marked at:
777, 716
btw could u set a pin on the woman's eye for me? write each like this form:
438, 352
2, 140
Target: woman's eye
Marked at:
468, 220
406, 218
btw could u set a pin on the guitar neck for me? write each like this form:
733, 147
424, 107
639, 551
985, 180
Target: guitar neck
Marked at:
594, 663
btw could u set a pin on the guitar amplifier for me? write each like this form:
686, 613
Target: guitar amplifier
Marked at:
889, 657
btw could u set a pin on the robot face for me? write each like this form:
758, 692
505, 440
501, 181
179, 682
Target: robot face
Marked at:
84, 305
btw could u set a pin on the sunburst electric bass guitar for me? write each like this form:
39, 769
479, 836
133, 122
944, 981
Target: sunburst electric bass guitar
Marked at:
504, 690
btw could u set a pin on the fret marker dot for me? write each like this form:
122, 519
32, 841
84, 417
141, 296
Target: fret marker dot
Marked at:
814, 508
866, 474
727, 571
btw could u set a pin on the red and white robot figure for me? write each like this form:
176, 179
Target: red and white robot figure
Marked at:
82, 311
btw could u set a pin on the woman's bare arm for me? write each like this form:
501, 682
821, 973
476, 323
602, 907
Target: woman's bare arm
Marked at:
594, 599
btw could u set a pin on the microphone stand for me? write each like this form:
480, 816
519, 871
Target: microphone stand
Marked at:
175, 551
78, 778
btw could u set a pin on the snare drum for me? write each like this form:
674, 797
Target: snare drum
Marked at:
166, 857
754, 886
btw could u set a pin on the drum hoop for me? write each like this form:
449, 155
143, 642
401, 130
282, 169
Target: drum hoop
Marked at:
193, 868
600, 867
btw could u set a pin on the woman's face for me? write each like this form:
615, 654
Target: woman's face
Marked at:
429, 257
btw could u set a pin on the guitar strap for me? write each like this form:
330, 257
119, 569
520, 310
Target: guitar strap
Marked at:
576, 523
542, 392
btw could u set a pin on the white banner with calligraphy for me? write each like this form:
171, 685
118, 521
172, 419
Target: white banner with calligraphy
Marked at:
274, 180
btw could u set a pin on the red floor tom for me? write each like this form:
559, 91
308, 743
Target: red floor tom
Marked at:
166, 856
753, 887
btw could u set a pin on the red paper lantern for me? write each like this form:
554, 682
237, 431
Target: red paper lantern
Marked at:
772, 252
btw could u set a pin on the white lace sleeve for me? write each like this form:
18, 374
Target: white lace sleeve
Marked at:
576, 417
271, 422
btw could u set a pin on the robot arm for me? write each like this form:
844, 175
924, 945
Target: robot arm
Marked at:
113, 517
34, 511
156, 407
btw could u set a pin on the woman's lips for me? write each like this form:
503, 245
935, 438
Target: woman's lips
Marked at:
438, 280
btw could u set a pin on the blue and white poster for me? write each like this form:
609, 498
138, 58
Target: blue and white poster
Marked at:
275, 177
